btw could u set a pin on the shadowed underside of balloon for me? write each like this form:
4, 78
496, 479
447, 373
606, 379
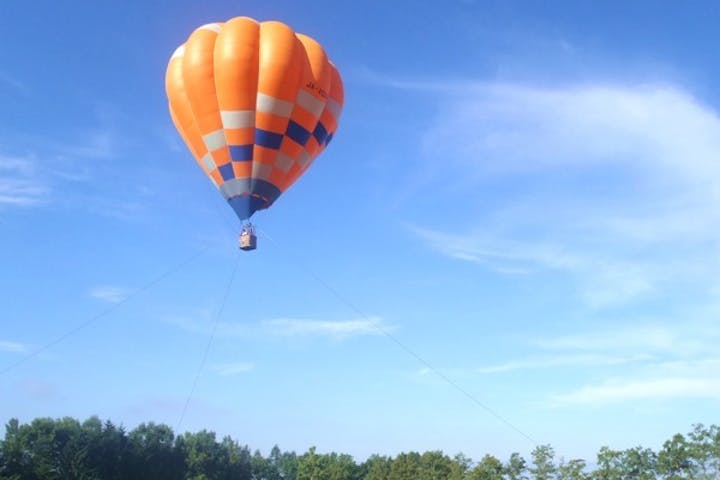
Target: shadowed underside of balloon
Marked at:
248, 195
256, 103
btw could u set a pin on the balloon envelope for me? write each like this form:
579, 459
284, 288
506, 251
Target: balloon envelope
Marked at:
255, 103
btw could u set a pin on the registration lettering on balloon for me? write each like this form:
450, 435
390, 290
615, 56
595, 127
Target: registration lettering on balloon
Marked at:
320, 91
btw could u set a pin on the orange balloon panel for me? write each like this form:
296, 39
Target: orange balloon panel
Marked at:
256, 103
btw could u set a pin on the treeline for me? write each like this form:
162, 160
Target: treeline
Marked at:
67, 449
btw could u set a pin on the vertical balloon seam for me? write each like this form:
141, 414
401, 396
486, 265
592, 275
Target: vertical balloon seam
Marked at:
181, 99
203, 104
306, 102
269, 143
333, 107
313, 155
255, 200
303, 74
235, 184
254, 167
178, 102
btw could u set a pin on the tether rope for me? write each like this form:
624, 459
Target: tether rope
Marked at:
400, 344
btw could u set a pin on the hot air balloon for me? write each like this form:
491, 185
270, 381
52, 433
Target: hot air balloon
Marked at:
255, 103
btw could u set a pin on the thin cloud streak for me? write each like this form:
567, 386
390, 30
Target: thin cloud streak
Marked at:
110, 294
48, 165
95, 144
646, 390
690, 340
681, 367
13, 347
333, 329
202, 324
19, 186
284, 327
605, 280
21, 193
25, 181
14, 83
651, 338
564, 361
232, 369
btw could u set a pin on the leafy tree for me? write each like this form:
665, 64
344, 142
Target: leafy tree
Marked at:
106, 448
516, 467
713, 446
309, 467
543, 467
202, 455
435, 465
674, 461
572, 470
406, 466
236, 462
460, 467
312, 466
262, 468
704, 450
609, 465
638, 463
277, 466
285, 462
377, 468
489, 468
49, 449
15, 461
341, 467
152, 454
45, 449
15, 457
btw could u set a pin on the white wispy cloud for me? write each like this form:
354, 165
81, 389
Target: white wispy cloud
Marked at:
652, 338
655, 126
236, 368
587, 360
19, 183
17, 164
676, 362
30, 179
21, 192
690, 340
611, 191
650, 389
110, 294
13, 347
13, 82
334, 329
605, 277
281, 327
95, 143
33, 169
202, 323
618, 186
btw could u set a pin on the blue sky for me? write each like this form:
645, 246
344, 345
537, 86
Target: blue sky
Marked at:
523, 194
